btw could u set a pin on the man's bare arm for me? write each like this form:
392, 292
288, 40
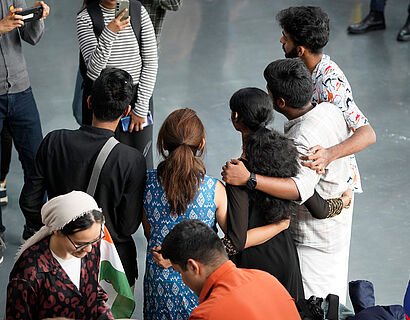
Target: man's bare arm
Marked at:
235, 173
321, 157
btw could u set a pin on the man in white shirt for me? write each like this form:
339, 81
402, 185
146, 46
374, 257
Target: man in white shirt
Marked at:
323, 245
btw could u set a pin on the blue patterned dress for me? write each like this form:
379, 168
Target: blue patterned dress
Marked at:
165, 294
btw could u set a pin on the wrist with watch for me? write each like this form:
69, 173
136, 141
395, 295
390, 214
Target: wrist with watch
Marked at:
251, 183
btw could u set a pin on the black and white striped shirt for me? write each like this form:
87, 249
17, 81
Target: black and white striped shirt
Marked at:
121, 50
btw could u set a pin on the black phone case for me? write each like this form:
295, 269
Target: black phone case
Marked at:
37, 13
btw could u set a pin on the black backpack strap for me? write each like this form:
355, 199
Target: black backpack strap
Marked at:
135, 14
97, 18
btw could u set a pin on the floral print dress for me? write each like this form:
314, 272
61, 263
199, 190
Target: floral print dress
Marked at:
165, 294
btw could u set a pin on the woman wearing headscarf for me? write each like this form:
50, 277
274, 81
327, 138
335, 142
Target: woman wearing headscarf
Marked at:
56, 272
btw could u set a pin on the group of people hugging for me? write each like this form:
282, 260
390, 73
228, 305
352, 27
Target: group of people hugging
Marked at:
285, 208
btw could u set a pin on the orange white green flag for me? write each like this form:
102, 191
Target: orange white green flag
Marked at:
114, 281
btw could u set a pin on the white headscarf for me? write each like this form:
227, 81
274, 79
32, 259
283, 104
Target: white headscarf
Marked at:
60, 211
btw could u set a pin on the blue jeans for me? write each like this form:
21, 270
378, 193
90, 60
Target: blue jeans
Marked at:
21, 112
378, 5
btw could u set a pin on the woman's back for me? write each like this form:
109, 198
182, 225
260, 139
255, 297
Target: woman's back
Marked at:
158, 213
166, 296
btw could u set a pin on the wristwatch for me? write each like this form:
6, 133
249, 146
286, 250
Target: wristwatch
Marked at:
251, 183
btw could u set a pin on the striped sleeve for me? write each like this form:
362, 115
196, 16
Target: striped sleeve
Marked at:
149, 65
95, 52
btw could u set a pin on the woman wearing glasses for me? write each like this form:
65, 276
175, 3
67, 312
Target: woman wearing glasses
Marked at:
56, 272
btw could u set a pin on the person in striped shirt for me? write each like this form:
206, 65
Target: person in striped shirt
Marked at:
118, 47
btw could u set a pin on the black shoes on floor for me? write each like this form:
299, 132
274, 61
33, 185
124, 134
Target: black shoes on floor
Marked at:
375, 21
404, 33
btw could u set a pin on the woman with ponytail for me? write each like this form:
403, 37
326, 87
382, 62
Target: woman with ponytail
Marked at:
268, 153
179, 189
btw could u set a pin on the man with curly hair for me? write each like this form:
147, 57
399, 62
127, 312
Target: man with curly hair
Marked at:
305, 34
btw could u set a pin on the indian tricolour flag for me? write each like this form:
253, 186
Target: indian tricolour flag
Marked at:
114, 281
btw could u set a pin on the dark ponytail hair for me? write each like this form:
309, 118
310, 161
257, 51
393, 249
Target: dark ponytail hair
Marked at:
82, 223
181, 172
268, 153
254, 107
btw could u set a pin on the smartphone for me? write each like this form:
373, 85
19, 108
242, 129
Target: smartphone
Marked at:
120, 6
31, 14
125, 122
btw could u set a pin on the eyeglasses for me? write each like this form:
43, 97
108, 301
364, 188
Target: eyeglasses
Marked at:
82, 246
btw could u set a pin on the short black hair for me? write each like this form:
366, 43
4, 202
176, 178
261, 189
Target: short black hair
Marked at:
291, 80
254, 107
111, 94
192, 239
82, 223
307, 26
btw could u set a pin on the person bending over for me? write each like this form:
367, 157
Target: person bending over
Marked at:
56, 272
225, 291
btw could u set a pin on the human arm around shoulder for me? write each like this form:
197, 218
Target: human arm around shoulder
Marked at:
221, 203
320, 157
320, 208
235, 173
338, 92
238, 236
260, 235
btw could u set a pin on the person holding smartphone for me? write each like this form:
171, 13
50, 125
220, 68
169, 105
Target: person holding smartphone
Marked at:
17, 104
117, 46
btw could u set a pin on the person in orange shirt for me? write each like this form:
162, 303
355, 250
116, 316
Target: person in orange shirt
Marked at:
225, 291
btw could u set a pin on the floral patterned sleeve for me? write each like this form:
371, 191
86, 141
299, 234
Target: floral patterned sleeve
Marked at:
336, 89
21, 300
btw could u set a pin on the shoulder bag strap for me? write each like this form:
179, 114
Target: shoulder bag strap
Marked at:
99, 163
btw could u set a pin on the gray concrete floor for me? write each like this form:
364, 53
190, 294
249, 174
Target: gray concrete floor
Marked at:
211, 48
